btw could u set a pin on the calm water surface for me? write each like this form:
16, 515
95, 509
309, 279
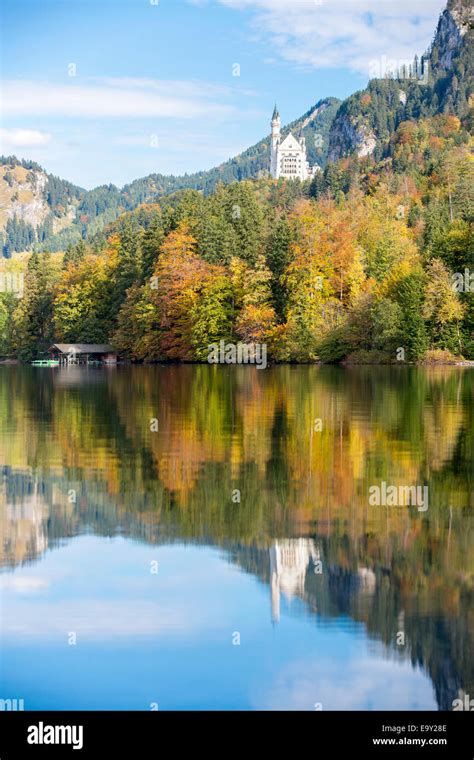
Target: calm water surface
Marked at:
231, 559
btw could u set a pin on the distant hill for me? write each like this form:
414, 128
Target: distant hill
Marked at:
41, 210
34, 205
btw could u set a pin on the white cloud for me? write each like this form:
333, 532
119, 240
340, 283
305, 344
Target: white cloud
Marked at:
171, 142
344, 33
181, 88
23, 138
97, 619
22, 584
114, 98
355, 684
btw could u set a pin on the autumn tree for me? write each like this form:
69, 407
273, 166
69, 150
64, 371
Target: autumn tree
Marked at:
80, 303
442, 308
32, 319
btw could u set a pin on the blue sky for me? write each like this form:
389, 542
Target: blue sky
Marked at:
111, 90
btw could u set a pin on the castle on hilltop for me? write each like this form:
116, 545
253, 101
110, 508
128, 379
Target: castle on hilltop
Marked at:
288, 156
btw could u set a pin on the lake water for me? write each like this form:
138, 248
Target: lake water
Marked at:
194, 537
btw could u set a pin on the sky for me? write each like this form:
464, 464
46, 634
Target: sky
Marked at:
106, 91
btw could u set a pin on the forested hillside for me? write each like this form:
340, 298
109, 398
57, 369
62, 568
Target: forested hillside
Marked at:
44, 212
439, 81
371, 262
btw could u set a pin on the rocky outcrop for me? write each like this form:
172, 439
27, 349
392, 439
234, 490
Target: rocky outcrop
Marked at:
348, 136
453, 24
22, 195
462, 13
314, 113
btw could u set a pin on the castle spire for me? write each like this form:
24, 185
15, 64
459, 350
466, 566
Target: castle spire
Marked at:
276, 115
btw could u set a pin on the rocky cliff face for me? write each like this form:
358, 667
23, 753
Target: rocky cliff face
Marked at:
462, 13
349, 137
453, 25
22, 195
28, 212
34, 205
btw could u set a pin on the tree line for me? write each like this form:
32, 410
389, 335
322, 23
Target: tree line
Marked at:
370, 261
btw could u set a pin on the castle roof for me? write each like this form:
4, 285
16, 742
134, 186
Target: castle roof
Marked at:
276, 115
290, 143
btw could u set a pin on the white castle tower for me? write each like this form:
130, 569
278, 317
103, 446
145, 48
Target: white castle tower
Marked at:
289, 560
288, 157
275, 140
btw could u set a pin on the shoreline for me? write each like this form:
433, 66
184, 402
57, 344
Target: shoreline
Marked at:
164, 362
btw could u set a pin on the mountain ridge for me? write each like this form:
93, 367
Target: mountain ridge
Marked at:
441, 81
90, 211
46, 212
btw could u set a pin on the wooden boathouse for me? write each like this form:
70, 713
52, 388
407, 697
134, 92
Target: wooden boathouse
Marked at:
83, 353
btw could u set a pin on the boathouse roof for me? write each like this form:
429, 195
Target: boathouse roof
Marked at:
82, 348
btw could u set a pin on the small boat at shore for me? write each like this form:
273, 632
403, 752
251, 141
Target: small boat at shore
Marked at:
45, 363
